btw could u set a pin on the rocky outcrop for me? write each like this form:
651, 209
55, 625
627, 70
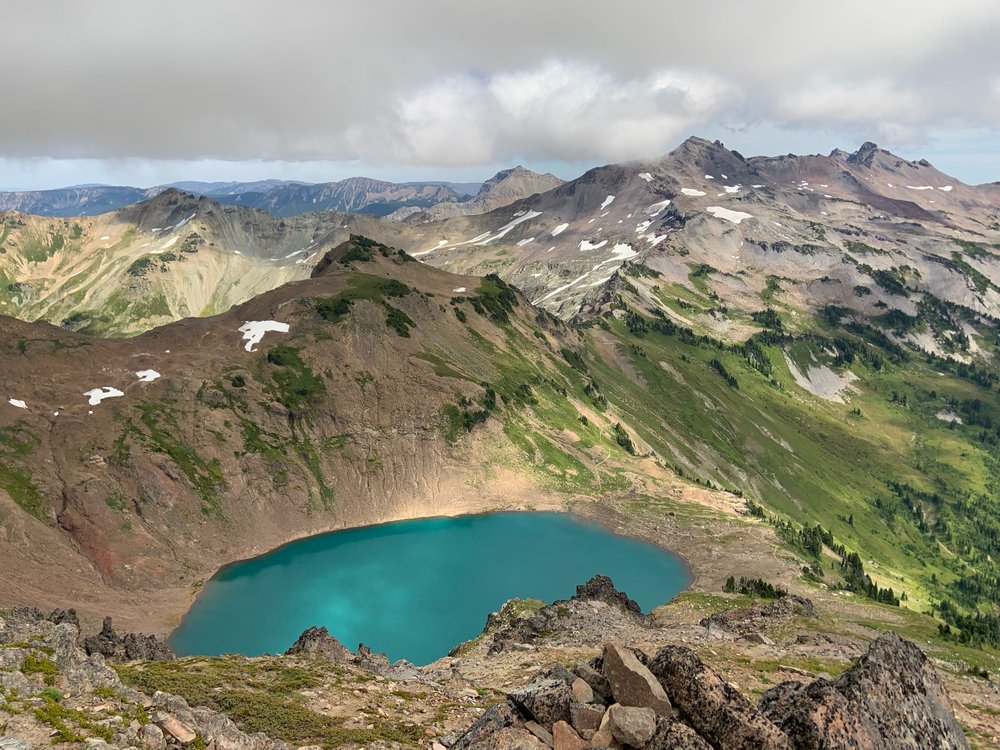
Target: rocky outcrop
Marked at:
711, 706
127, 646
744, 621
547, 701
891, 698
819, 717
318, 642
632, 684
602, 588
58, 662
597, 607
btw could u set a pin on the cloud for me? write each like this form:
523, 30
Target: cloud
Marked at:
569, 111
443, 84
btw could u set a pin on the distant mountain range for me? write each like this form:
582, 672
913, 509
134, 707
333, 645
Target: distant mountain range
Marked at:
289, 198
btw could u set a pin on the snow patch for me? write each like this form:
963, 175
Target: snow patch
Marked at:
586, 245
731, 188
642, 226
105, 237
147, 376
607, 202
458, 289
520, 218
17, 402
946, 188
692, 192
438, 246
657, 208
563, 288
724, 213
522, 243
921, 187
645, 176
253, 331
97, 395
709, 177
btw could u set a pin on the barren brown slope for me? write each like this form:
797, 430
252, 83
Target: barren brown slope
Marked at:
359, 414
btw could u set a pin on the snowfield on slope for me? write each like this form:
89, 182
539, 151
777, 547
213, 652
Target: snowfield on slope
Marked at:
729, 215
253, 331
97, 395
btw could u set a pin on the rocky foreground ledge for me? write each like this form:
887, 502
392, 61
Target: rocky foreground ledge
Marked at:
891, 698
57, 688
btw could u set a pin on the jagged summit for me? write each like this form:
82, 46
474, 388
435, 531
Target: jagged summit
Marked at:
164, 210
864, 155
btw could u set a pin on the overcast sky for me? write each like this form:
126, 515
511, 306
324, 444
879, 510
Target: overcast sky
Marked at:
143, 93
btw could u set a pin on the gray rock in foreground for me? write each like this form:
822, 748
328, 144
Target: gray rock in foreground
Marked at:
891, 698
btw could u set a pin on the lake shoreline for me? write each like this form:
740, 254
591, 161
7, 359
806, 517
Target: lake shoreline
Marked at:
414, 564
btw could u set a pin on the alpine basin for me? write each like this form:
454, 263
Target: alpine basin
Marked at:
415, 589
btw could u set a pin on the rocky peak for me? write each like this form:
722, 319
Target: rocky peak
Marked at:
164, 211
865, 155
602, 588
518, 182
318, 642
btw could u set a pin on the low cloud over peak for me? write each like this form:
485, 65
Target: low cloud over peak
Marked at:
444, 85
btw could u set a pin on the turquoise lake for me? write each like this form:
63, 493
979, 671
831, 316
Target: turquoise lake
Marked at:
415, 589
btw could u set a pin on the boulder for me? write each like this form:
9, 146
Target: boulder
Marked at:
151, 737
220, 733
559, 672
895, 687
818, 717
586, 718
495, 719
513, 739
632, 684
582, 692
565, 738
539, 731
713, 708
546, 701
177, 729
631, 725
597, 681
670, 734
318, 642
604, 738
